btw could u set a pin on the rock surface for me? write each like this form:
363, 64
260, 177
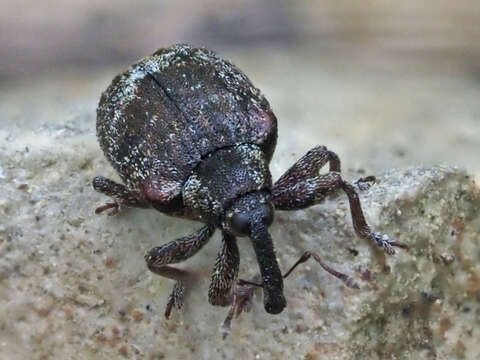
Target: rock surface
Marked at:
75, 285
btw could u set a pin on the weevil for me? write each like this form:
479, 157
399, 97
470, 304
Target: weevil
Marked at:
191, 137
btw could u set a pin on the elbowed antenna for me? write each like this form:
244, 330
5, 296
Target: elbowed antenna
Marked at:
272, 278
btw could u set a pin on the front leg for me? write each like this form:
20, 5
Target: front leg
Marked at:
158, 259
120, 194
225, 272
302, 186
241, 302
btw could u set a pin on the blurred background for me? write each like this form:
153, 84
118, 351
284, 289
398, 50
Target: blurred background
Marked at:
383, 83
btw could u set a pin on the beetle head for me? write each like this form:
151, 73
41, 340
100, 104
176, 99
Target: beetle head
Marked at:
251, 215
248, 210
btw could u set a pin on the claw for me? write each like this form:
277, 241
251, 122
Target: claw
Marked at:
386, 243
113, 205
168, 308
242, 302
175, 299
226, 327
365, 183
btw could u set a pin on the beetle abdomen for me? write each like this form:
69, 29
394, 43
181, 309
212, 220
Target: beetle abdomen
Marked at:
157, 120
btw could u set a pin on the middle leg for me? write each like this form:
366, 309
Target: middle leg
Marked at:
302, 186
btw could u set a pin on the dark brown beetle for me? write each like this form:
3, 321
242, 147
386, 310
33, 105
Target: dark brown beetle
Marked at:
191, 136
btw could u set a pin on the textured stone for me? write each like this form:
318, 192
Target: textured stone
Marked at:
75, 285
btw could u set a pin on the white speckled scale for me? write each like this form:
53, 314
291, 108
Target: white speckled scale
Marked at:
161, 117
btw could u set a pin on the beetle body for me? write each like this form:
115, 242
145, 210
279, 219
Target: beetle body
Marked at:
157, 121
191, 136
189, 132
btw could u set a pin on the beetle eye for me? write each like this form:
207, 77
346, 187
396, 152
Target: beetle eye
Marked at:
267, 214
241, 223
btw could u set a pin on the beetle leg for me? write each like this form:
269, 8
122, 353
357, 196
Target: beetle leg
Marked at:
225, 272
241, 301
243, 290
365, 183
295, 189
158, 259
347, 280
120, 194
302, 186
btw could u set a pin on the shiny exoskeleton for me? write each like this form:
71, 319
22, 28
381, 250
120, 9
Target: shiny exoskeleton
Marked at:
191, 136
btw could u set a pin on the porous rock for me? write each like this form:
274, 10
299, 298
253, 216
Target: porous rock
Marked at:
75, 285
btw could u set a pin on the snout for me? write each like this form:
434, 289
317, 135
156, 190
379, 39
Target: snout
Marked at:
274, 303
272, 279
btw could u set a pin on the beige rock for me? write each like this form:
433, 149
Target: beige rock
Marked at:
75, 285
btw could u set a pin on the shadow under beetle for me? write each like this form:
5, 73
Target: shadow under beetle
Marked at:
191, 137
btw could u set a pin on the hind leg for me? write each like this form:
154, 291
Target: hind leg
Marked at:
120, 194
158, 259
